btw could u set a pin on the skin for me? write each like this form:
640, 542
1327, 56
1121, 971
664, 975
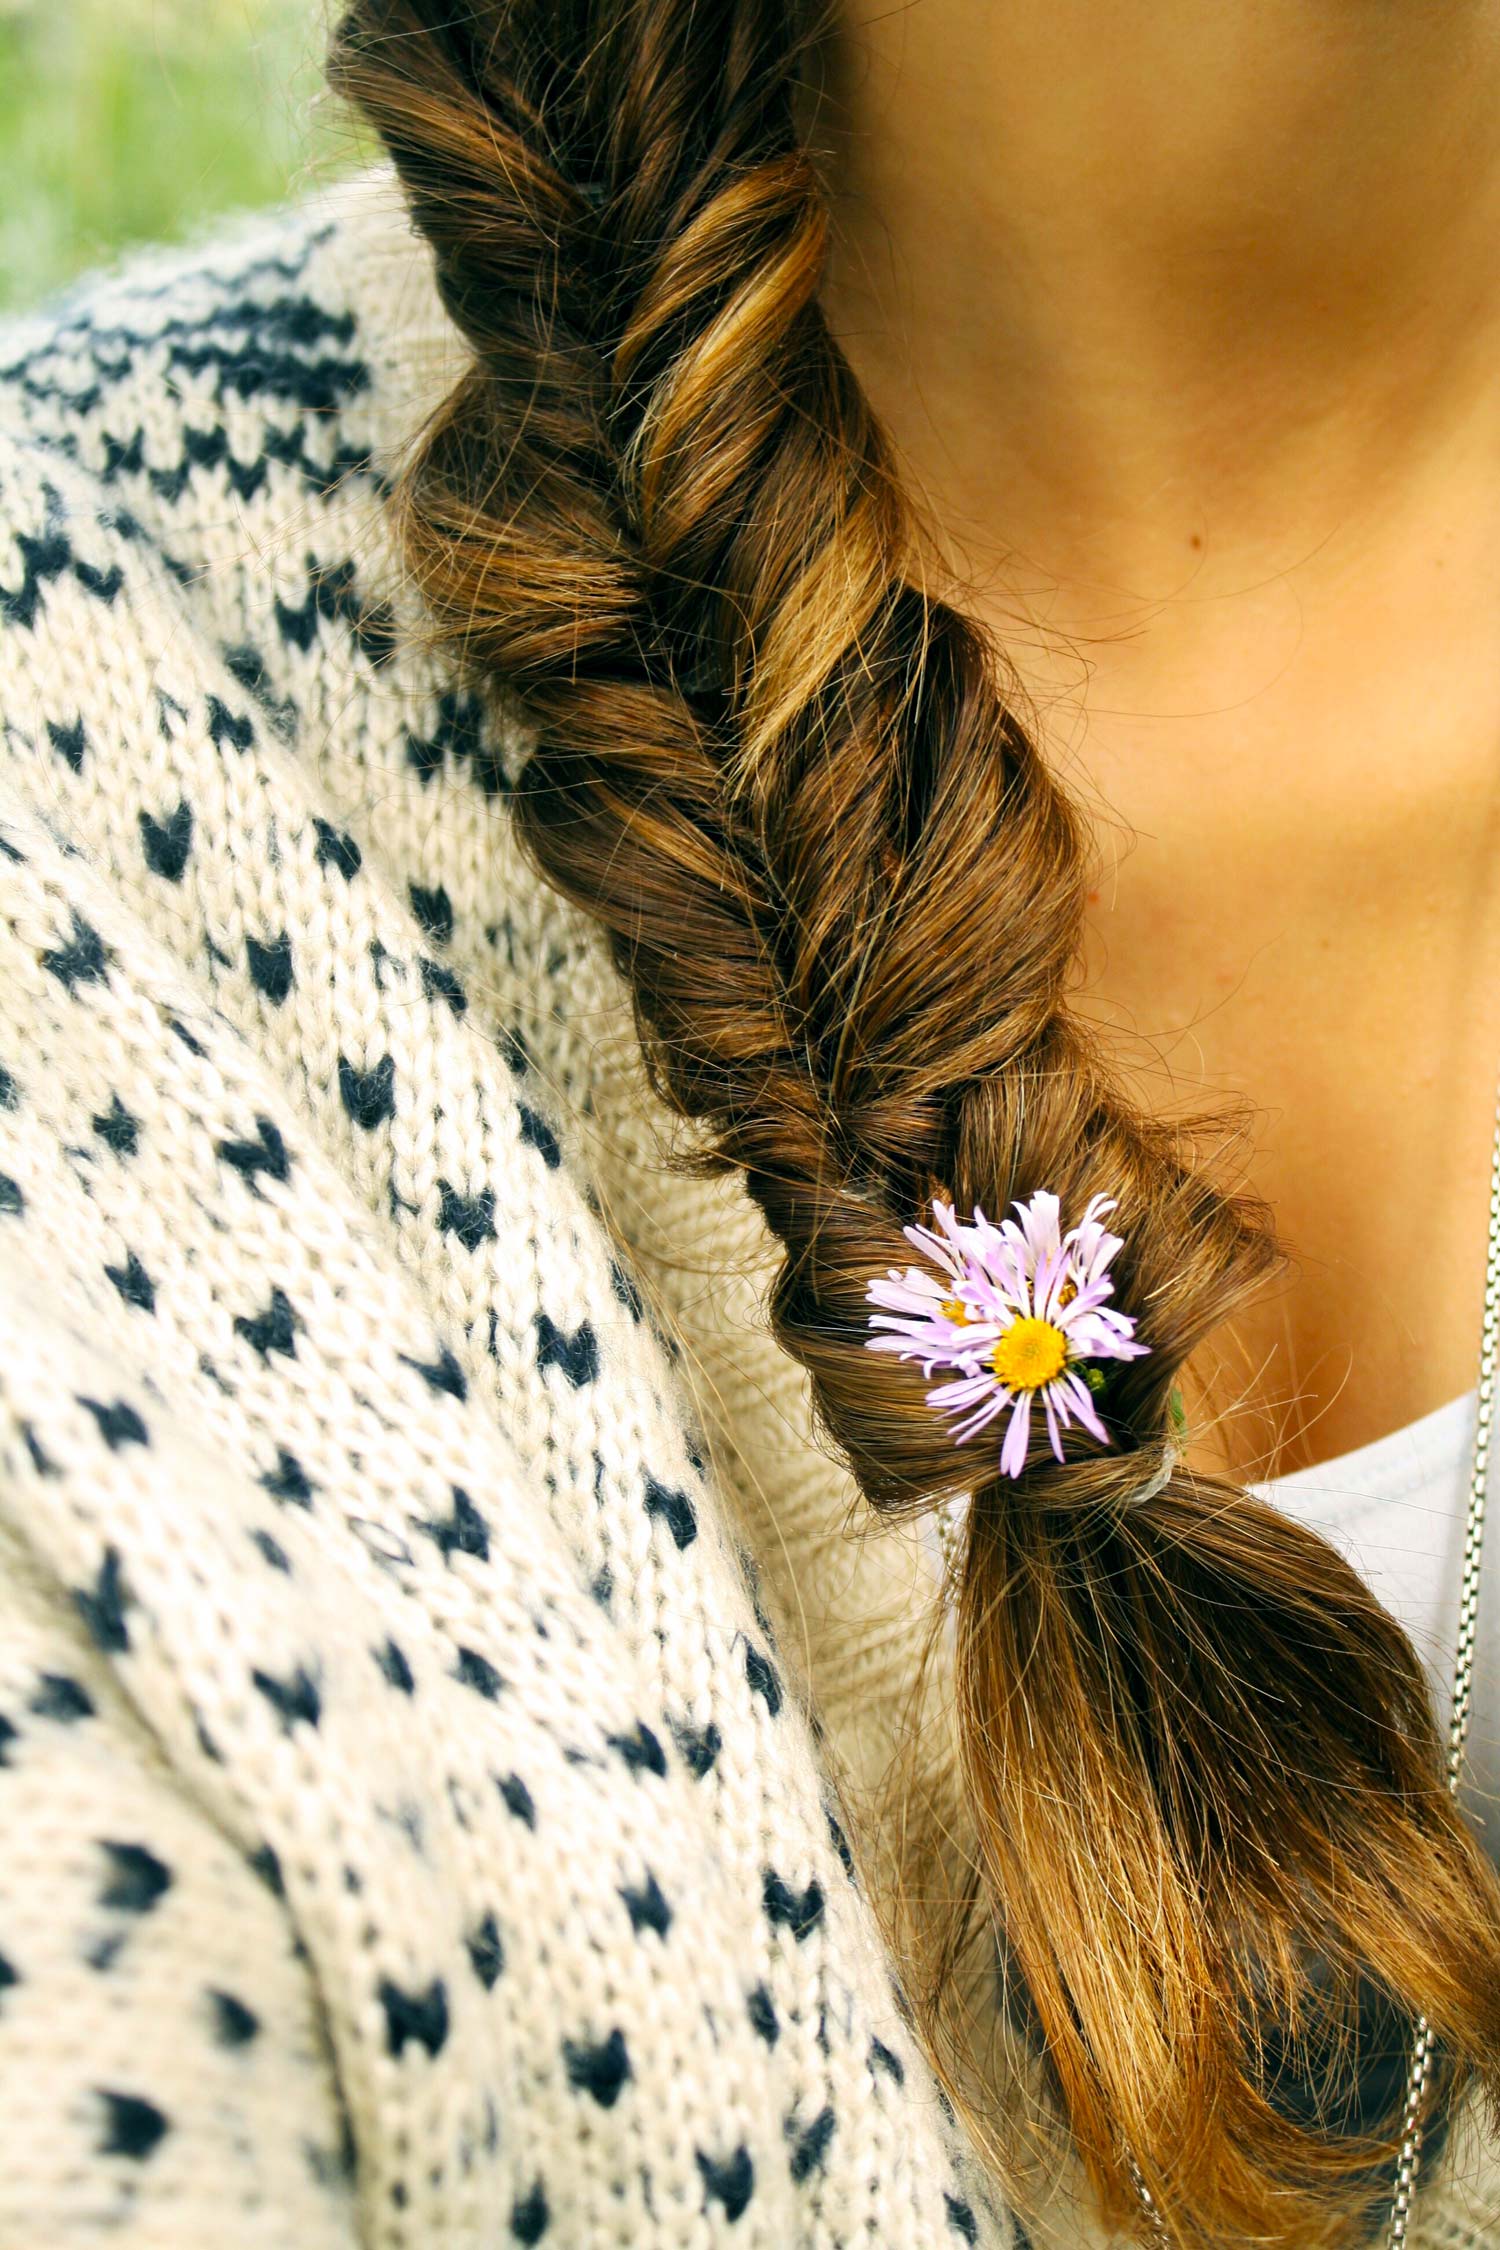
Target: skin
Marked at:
1185, 322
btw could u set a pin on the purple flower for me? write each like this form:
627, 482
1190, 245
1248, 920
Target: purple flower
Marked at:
1016, 1311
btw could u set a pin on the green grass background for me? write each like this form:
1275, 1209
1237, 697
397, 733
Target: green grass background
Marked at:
126, 121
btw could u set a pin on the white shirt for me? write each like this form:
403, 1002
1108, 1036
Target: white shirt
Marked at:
1397, 1509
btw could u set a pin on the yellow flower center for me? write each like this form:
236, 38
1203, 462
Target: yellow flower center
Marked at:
954, 1308
1029, 1354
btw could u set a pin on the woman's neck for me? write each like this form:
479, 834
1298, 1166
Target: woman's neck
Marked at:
1151, 294
1185, 321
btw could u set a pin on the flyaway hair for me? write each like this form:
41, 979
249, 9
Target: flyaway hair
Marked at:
847, 896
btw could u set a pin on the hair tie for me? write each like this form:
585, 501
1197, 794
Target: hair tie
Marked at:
1017, 1312
1173, 1452
1170, 1456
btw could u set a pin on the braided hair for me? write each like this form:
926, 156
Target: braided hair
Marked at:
846, 895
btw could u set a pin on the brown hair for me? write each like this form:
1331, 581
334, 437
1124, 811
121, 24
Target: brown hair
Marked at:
847, 896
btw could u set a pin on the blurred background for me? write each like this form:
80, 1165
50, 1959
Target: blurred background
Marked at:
125, 121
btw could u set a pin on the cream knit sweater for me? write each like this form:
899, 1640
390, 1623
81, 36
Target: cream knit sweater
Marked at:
438, 1667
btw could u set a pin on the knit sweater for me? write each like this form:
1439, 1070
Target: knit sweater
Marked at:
440, 1668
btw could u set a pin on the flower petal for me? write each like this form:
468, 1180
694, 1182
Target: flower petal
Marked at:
986, 1414
965, 1389
1017, 1437
911, 1292
1040, 1223
1081, 1398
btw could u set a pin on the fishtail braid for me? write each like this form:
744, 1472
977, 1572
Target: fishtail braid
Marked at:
846, 895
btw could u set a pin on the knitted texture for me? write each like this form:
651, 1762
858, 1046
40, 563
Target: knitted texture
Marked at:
418, 1831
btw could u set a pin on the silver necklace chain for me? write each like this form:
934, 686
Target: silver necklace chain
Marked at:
949, 1543
1463, 1674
